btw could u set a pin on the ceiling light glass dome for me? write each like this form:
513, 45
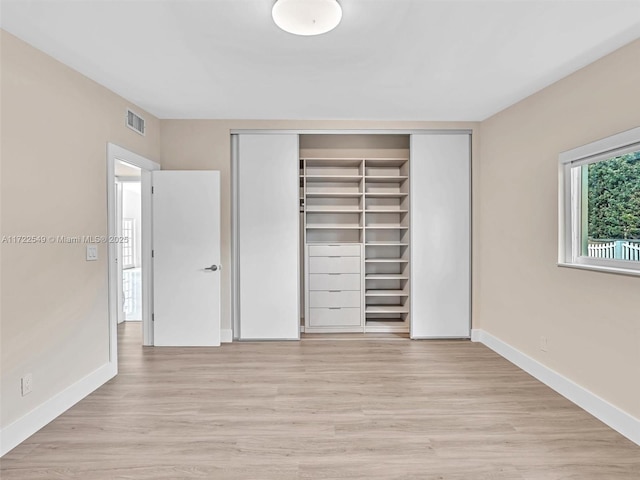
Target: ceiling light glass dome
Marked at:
307, 17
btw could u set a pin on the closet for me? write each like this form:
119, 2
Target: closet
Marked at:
372, 235
355, 195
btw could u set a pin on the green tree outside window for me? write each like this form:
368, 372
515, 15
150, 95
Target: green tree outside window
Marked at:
614, 198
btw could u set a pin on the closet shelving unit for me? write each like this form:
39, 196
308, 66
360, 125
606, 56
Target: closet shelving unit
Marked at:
365, 201
334, 232
386, 243
333, 189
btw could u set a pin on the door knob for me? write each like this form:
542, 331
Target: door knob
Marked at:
213, 268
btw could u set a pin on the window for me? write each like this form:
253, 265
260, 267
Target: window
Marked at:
128, 260
600, 205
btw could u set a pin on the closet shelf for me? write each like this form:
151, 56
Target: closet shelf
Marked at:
386, 194
386, 309
332, 210
332, 159
333, 194
323, 242
382, 322
386, 260
386, 276
333, 227
386, 293
386, 162
333, 178
387, 227
386, 244
371, 210
379, 226
386, 178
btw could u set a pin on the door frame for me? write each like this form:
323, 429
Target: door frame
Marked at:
118, 232
116, 152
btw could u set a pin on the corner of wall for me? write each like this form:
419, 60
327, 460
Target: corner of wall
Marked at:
609, 414
21, 429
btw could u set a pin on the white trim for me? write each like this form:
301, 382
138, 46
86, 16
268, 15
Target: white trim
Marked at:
17, 432
600, 268
118, 249
115, 152
476, 335
624, 139
572, 222
146, 244
128, 179
614, 417
358, 131
235, 236
226, 335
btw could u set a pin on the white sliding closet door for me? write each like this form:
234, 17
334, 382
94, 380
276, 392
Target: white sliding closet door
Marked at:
268, 237
440, 235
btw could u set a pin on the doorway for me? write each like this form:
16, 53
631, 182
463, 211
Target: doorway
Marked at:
129, 241
129, 218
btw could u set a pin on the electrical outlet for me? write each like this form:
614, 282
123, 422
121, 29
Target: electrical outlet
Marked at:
26, 383
544, 344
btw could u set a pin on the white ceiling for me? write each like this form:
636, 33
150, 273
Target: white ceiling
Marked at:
387, 60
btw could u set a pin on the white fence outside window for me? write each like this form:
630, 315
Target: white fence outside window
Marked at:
615, 249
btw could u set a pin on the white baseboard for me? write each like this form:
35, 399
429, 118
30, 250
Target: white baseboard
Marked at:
476, 333
604, 411
226, 335
17, 432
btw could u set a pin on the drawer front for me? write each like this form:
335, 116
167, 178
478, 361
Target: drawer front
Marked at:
336, 281
337, 298
334, 264
334, 250
334, 317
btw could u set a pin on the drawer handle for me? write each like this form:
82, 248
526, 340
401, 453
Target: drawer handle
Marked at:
335, 308
335, 256
335, 274
335, 291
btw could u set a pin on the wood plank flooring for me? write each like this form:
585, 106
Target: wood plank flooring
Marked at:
381, 408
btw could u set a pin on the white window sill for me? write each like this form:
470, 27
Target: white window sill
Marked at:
600, 268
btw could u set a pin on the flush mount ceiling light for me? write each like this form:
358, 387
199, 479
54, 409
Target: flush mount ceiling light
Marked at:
307, 17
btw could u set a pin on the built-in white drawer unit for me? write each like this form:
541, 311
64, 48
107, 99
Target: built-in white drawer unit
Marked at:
335, 264
335, 298
334, 317
334, 288
334, 250
334, 281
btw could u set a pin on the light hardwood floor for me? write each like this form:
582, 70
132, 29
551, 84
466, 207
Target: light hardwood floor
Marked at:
325, 408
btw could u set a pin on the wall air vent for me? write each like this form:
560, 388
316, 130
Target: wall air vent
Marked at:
135, 122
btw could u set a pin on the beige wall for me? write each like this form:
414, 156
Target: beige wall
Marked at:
206, 145
55, 128
591, 319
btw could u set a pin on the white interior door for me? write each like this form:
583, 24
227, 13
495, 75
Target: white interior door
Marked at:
186, 258
440, 235
268, 237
